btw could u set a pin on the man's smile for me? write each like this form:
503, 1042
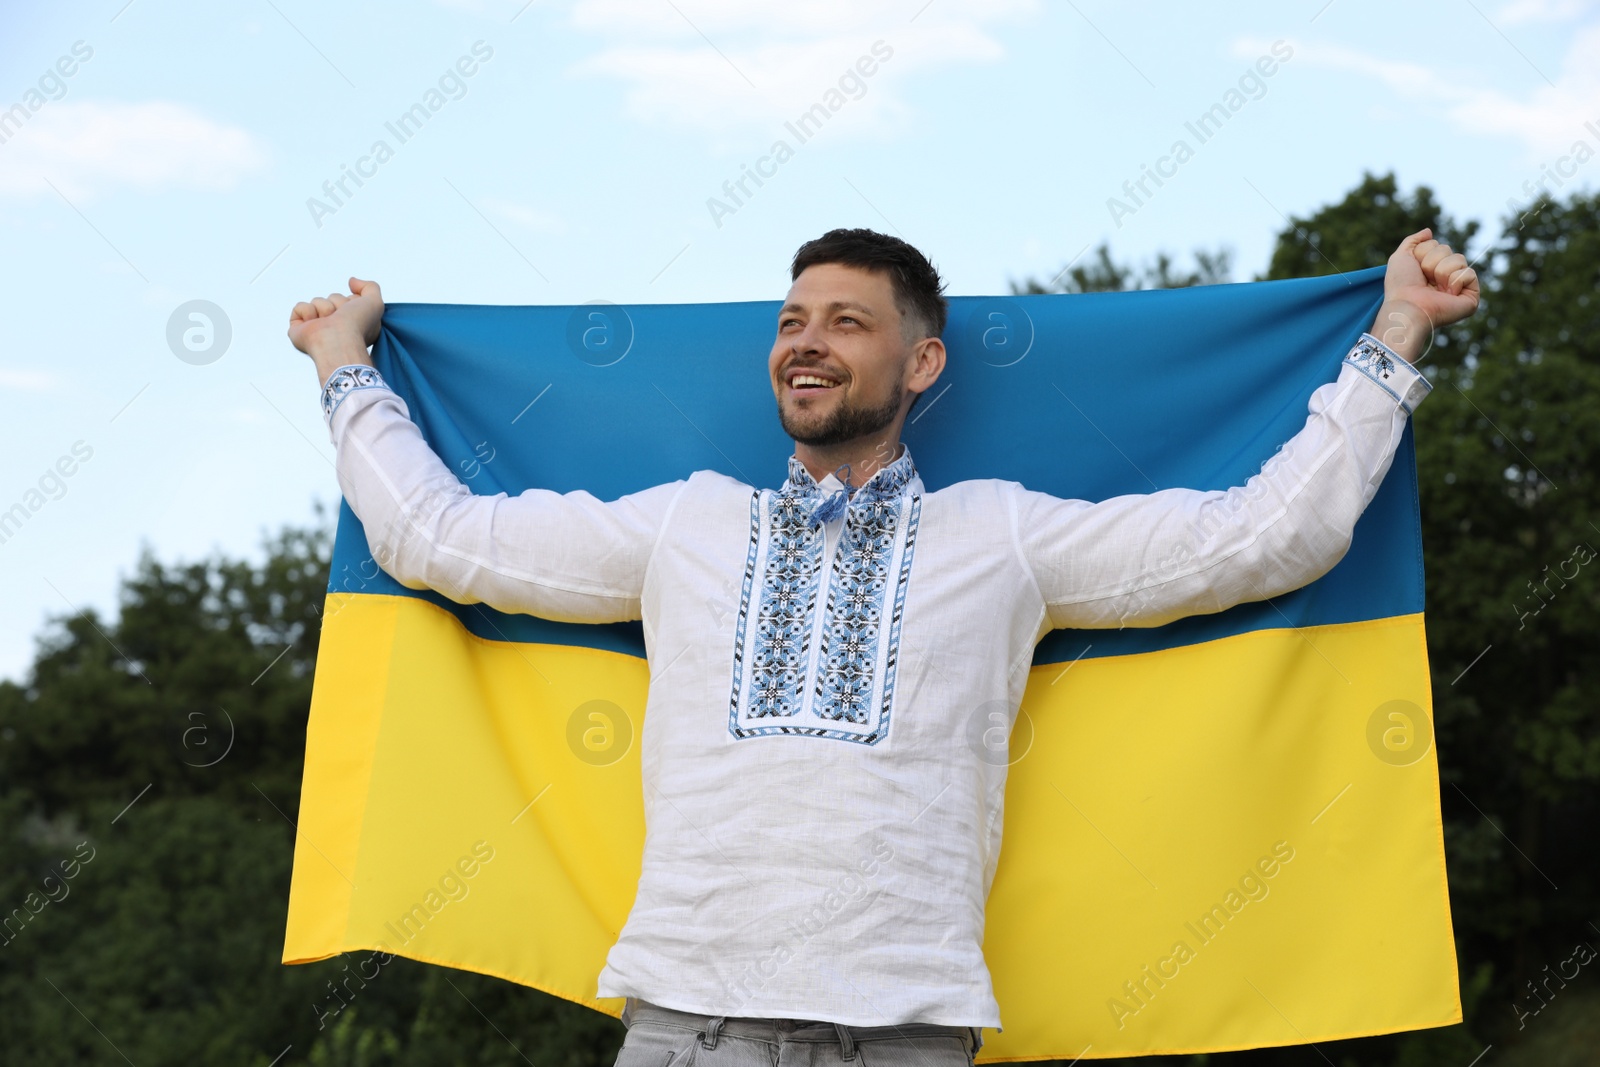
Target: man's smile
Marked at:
807, 381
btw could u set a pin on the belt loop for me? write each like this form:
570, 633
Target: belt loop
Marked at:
977, 1039
847, 1043
708, 1036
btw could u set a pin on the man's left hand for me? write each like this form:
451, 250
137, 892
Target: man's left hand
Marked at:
1427, 286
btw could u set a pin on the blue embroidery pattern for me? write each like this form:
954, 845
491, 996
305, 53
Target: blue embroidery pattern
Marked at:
788, 604
1372, 358
855, 614
852, 695
1377, 361
343, 381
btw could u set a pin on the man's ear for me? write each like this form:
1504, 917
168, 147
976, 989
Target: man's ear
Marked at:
928, 359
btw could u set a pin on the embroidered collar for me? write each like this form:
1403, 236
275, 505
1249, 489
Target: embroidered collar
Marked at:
832, 495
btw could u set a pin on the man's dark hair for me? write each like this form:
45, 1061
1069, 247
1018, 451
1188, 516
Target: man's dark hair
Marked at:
918, 292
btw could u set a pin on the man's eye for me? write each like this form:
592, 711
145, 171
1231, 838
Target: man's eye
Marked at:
847, 318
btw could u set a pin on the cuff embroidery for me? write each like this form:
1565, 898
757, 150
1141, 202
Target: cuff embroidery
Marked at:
344, 381
1379, 362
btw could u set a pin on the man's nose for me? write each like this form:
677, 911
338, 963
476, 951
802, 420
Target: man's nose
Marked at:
808, 341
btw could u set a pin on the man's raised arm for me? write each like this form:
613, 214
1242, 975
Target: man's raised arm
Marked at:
1146, 560
568, 557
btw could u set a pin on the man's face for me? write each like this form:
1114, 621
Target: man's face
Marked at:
840, 324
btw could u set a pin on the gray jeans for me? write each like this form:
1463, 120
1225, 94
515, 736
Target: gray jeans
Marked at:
662, 1037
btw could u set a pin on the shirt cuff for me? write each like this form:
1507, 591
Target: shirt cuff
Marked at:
1379, 362
342, 382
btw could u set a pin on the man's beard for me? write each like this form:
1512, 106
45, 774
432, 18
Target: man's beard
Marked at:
847, 422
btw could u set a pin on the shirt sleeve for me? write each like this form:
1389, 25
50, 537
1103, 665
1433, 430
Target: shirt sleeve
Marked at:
1146, 560
568, 557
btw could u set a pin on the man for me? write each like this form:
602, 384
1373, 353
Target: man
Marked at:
820, 840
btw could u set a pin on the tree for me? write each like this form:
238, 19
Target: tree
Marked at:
1361, 230
149, 783
1102, 274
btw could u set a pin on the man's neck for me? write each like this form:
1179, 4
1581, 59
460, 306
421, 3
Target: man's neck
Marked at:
859, 460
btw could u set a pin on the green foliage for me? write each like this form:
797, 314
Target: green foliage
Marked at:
1102, 274
160, 757
1362, 230
346, 1045
1567, 1034
1507, 451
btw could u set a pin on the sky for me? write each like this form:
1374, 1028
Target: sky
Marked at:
166, 160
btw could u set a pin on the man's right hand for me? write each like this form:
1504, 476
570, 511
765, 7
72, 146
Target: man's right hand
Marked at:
335, 330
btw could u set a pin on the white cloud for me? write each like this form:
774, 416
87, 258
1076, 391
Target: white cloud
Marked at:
1545, 120
86, 147
1519, 12
532, 218
30, 381
720, 66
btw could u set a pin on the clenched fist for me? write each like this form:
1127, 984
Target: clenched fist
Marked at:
1427, 286
335, 330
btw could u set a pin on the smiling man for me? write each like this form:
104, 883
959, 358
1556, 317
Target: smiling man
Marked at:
820, 837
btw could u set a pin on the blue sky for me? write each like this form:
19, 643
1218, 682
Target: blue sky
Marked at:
180, 158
